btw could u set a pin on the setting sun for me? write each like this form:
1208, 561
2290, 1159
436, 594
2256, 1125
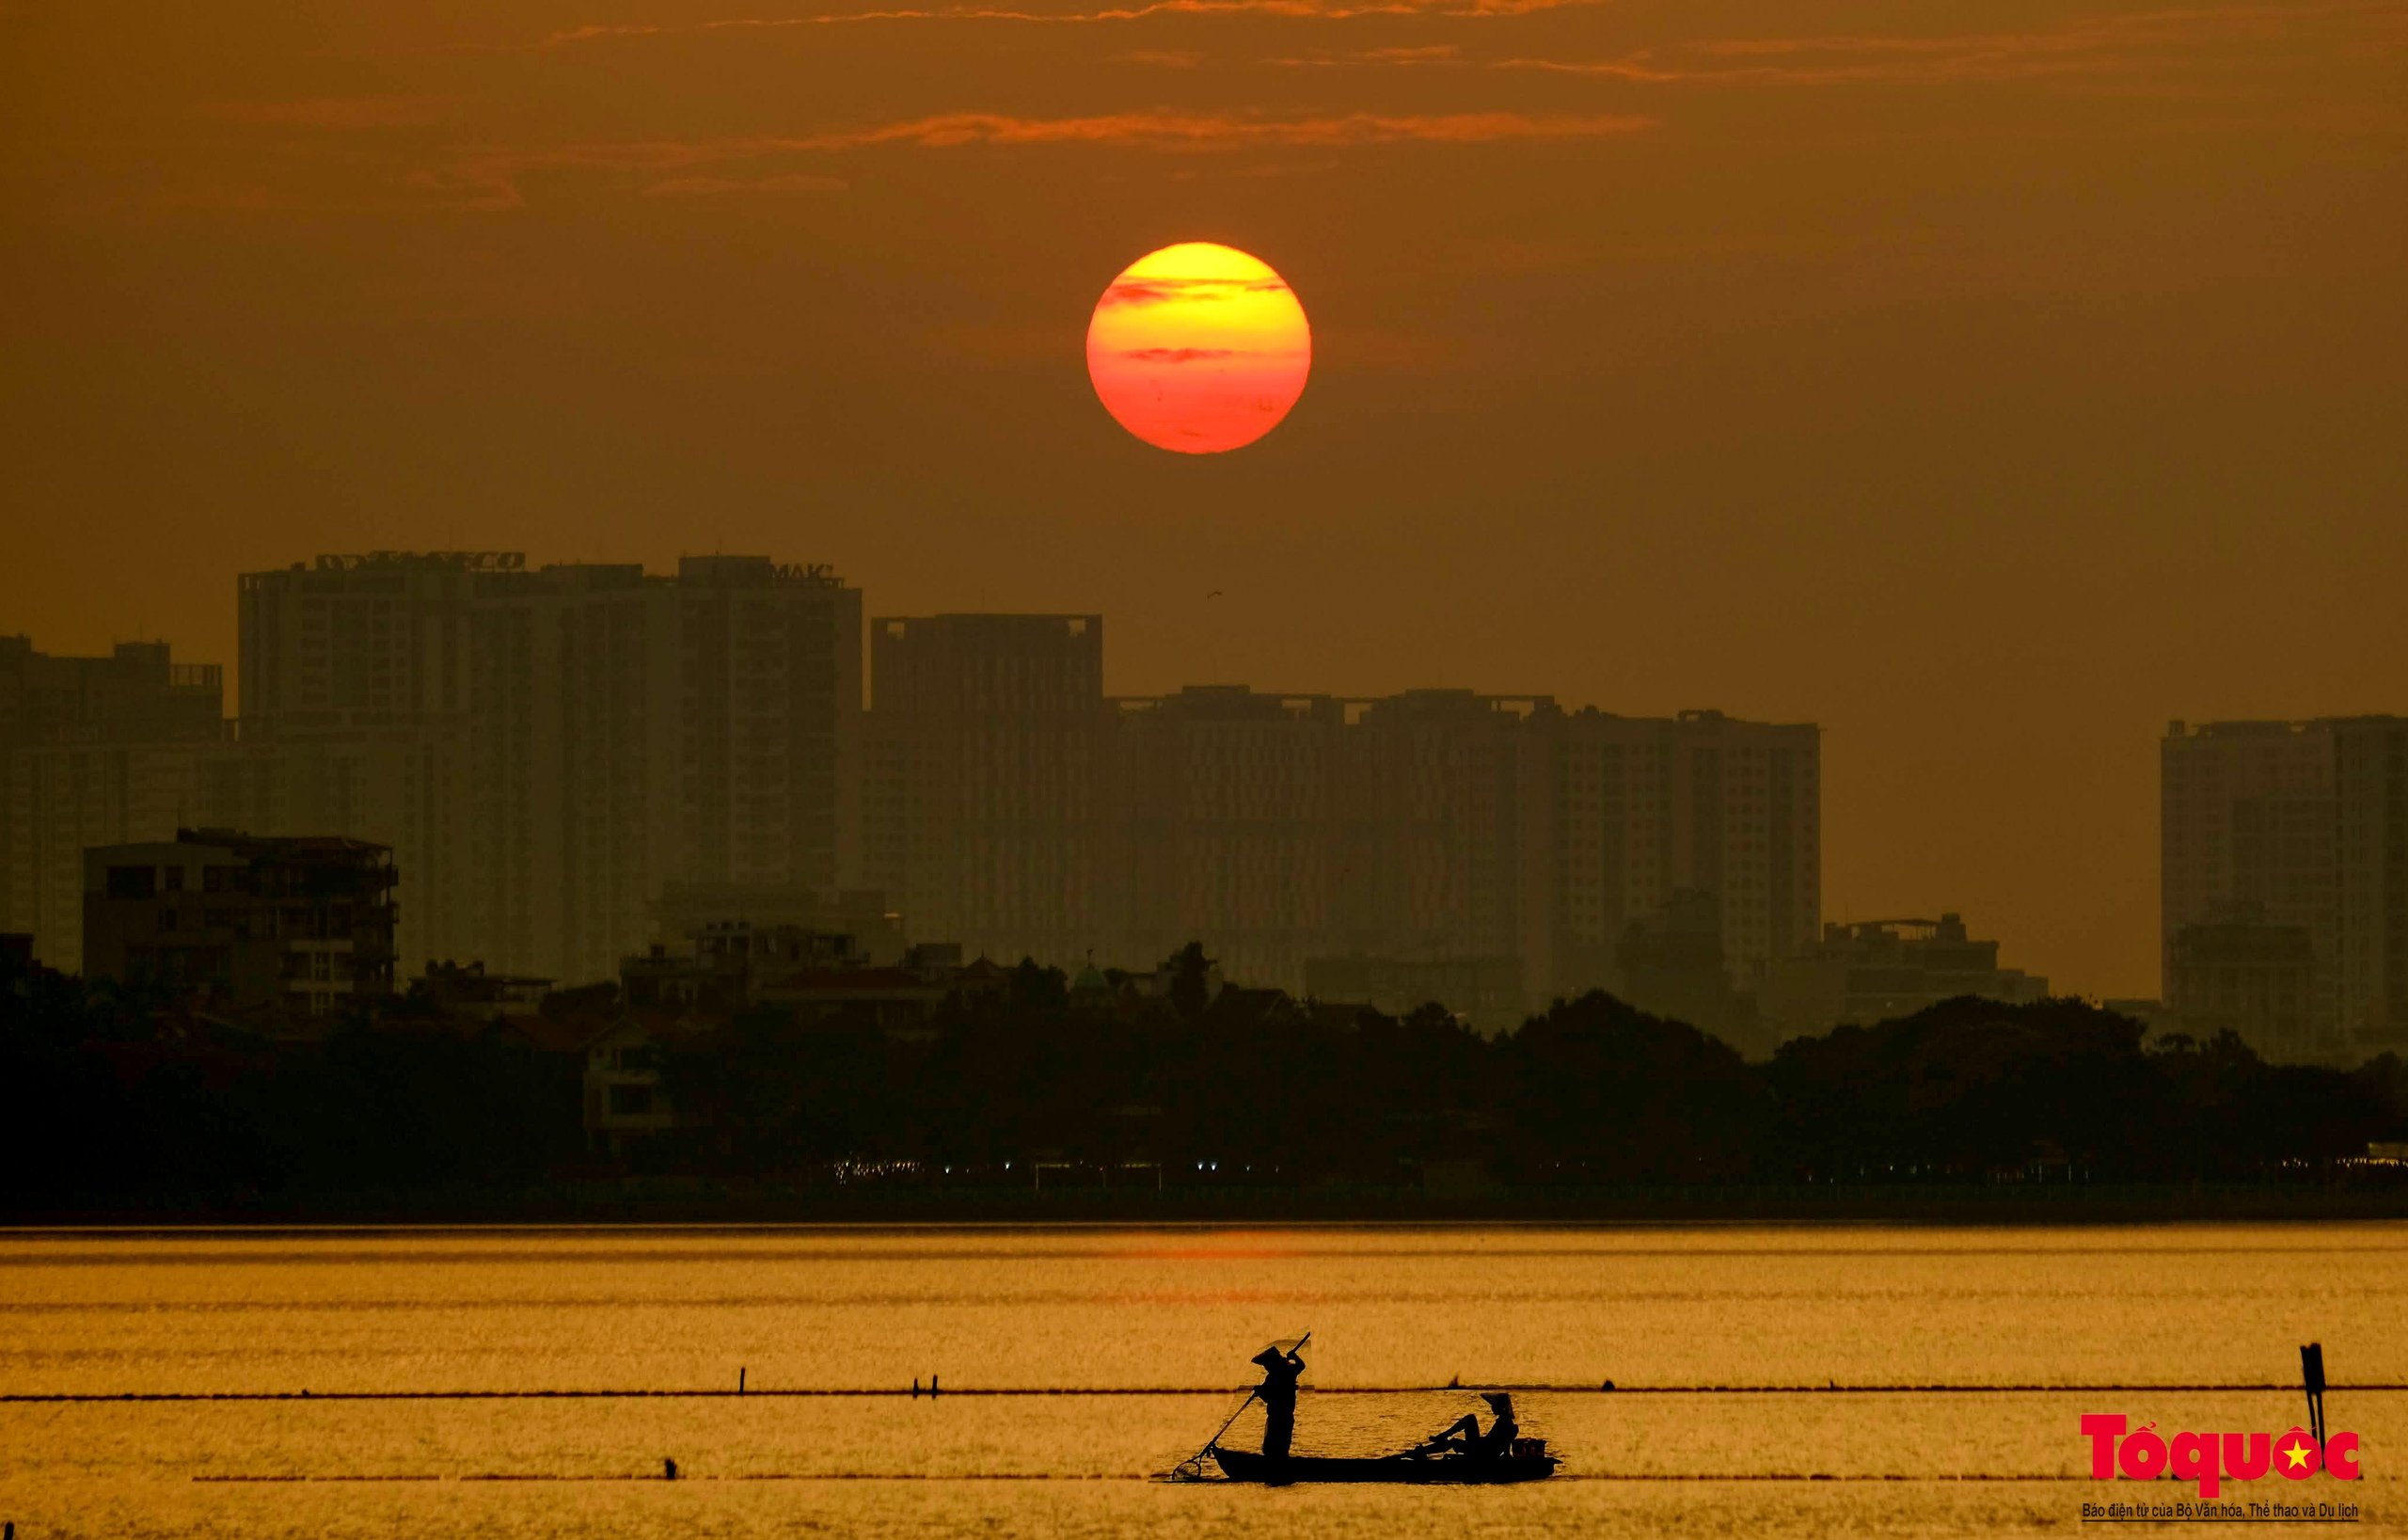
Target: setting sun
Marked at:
1199, 348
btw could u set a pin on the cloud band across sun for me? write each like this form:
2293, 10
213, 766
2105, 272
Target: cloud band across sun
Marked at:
1199, 348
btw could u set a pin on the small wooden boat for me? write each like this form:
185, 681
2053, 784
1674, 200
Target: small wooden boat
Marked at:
1419, 1469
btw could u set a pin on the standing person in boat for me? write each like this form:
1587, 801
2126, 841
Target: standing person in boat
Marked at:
1277, 1392
1466, 1434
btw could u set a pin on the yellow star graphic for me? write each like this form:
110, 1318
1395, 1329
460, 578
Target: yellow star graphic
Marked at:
2296, 1453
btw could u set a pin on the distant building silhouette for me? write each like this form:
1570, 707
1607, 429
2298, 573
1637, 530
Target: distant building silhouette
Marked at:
1878, 969
721, 966
1643, 813
2245, 976
470, 992
1672, 964
93, 751
684, 908
1239, 819
1010, 803
242, 924
574, 761
548, 750
984, 803
1452, 853
2300, 826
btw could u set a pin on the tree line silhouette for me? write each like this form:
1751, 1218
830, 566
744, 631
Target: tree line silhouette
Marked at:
120, 1104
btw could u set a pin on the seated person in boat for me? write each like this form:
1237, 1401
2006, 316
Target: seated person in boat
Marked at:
1466, 1434
1277, 1392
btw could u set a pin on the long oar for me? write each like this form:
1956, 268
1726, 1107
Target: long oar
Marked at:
1195, 1461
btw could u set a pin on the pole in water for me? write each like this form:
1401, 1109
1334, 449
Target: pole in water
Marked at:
932, 1386
2311, 1373
740, 1379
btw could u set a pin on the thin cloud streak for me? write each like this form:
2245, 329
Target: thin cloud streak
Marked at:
2098, 45
1209, 132
1156, 291
489, 179
1299, 10
793, 182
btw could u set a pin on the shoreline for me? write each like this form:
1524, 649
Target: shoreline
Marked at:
660, 1204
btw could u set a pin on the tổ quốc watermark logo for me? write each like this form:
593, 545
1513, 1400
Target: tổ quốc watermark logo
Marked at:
2120, 1452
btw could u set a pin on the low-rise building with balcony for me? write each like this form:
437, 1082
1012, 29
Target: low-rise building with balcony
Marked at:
242, 924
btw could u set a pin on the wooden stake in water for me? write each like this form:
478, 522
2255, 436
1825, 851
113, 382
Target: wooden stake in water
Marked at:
2311, 1372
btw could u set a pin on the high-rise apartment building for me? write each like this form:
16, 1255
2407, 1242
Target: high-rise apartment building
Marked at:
1448, 848
2298, 832
354, 710
983, 805
359, 641
2370, 837
1235, 822
1640, 814
1008, 804
555, 754
630, 732
93, 751
549, 749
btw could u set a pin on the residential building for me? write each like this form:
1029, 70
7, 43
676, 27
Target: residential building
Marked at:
1634, 816
631, 732
355, 681
242, 924
862, 915
1233, 827
347, 640
393, 784
1445, 843
2301, 826
624, 1098
721, 966
2256, 979
983, 812
93, 751
556, 747
2370, 839
470, 993
727, 965
1008, 801
1878, 969
1671, 964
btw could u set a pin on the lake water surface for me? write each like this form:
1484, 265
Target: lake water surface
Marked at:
1740, 1356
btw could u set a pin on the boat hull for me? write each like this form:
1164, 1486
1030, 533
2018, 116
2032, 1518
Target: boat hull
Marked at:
1448, 1471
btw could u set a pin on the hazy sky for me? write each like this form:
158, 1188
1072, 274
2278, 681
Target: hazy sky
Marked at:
1987, 382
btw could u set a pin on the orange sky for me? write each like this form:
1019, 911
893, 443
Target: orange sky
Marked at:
1988, 382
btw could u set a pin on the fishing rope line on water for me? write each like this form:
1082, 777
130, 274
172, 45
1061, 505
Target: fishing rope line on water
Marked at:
949, 1391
